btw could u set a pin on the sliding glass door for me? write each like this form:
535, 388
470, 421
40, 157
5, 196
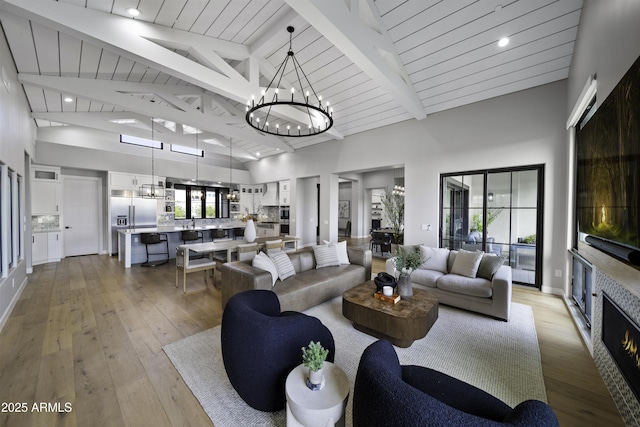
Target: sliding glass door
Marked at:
496, 211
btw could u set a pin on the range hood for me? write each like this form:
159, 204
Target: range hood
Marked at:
270, 196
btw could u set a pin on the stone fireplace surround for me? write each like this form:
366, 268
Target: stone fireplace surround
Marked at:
622, 284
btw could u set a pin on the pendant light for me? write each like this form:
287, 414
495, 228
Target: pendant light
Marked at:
201, 190
231, 196
153, 190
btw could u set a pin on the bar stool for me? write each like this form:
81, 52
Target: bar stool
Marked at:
154, 239
191, 236
218, 233
238, 232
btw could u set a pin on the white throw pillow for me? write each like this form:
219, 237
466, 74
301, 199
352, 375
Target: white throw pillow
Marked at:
263, 262
326, 255
341, 251
467, 263
283, 264
435, 258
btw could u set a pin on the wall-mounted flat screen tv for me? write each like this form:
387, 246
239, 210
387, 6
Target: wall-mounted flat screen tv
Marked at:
608, 171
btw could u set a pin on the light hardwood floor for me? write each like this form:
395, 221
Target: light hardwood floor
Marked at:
89, 333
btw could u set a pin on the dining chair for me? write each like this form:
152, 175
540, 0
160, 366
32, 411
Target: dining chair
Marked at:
247, 251
191, 266
294, 243
271, 245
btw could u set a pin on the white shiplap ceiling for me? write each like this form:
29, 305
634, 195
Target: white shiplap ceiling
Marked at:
196, 62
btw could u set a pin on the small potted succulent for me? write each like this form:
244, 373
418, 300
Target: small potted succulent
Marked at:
313, 357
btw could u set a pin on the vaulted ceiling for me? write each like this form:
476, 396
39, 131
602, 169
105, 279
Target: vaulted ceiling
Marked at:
193, 64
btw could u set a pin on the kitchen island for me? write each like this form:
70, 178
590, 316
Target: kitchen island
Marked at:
132, 251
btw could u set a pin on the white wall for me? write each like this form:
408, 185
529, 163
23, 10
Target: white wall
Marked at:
607, 45
76, 147
522, 128
17, 136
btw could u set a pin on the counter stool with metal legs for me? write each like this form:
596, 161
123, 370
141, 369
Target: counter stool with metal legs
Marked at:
189, 236
218, 233
155, 239
238, 232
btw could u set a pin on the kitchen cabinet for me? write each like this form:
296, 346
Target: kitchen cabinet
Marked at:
130, 182
45, 173
284, 193
46, 190
54, 246
267, 230
46, 197
257, 197
250, 198
39, 248
46, 247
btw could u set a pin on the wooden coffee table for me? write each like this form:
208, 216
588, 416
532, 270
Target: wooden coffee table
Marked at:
401, 323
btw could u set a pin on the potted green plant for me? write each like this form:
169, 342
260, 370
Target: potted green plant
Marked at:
476, 219
313, 357
405, 262
394, 212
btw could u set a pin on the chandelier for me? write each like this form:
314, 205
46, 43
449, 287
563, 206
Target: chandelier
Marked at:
266, 115
398, 189
152, 191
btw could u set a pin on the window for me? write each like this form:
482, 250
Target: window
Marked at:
19, 216
187, 150
200, 202
143, 142
11, 217
2, 221
10, 214
496, 211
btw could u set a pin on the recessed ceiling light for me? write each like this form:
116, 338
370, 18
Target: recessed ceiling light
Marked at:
503, 41
133, 11
258, 154
68, 99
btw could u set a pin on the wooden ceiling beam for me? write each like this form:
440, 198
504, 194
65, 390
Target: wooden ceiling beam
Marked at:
357, 30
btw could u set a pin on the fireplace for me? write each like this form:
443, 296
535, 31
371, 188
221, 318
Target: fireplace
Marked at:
621, 337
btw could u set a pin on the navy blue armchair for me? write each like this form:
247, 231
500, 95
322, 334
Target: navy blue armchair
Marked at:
389, 394
261, 345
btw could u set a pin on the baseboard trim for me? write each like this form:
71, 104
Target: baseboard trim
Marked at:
14, 301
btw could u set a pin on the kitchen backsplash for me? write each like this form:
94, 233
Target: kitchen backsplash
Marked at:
45, 222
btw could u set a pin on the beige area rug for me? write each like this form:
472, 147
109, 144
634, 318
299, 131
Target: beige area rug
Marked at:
502, 358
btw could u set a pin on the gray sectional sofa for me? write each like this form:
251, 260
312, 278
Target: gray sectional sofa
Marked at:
308, 287
469, 290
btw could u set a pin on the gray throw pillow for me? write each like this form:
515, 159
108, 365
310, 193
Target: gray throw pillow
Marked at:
466, 263
489, 265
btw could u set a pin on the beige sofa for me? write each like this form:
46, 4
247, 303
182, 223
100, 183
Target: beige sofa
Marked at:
308, 287
490, 297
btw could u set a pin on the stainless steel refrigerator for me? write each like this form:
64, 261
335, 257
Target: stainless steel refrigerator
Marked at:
129, 211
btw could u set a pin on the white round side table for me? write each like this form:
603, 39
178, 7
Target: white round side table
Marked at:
319, 408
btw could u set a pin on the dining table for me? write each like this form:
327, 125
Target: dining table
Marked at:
230, 245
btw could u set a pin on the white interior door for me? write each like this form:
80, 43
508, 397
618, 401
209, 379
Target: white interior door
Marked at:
81, 202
